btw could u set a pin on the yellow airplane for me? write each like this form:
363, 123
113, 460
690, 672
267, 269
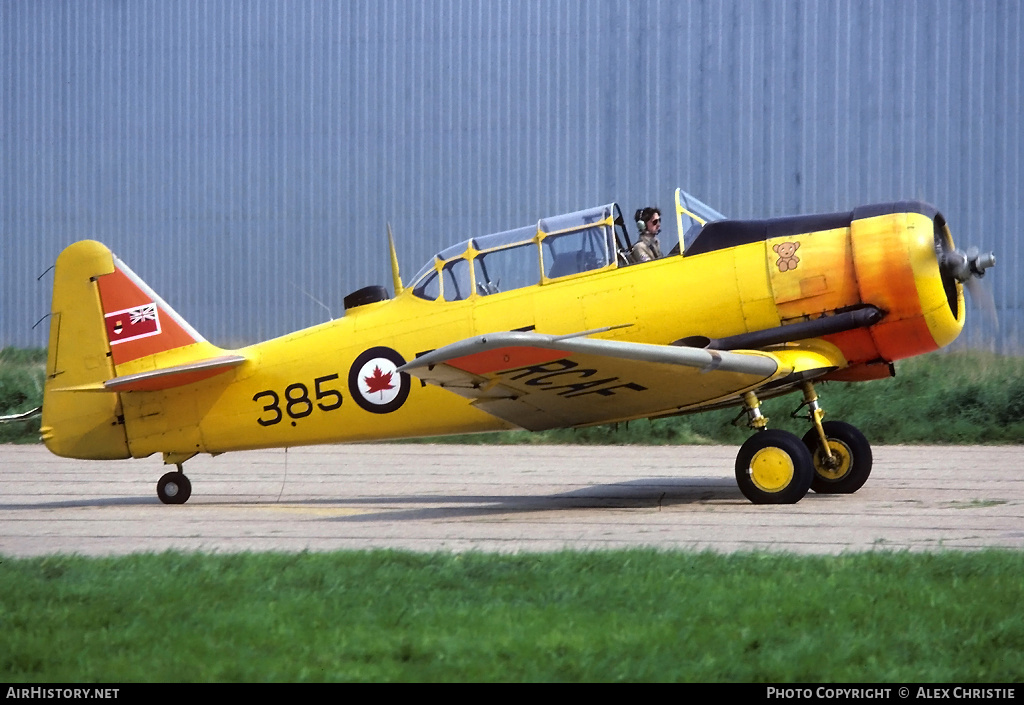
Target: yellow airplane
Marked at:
545, 326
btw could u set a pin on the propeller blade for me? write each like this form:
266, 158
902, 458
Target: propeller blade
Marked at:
981, 295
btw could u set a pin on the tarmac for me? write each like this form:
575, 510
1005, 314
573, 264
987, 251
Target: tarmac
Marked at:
507, 499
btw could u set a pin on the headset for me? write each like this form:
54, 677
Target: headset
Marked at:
641, 223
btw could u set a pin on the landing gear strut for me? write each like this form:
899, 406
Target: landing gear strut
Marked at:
174, 487
840, 453
773, 466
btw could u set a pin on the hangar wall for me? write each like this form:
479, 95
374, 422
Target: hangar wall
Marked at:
243, 156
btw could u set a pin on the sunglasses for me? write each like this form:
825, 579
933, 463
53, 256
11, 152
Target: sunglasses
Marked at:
655, 221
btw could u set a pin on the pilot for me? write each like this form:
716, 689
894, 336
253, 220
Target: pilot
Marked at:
648, 222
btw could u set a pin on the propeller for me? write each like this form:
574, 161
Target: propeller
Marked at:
968, 268
964, 266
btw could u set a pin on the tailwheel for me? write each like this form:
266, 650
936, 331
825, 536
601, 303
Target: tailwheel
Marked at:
174, 488
774, 467
850, 464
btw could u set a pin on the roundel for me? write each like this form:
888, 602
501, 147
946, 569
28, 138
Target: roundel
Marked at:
375, 382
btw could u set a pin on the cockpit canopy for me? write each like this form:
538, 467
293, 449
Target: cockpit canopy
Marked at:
556, 247
560, 246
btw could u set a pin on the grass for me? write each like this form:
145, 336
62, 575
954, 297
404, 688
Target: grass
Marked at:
21, 389
637, 615
957, 398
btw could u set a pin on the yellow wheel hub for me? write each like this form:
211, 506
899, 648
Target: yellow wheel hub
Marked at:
842, 459
771, 469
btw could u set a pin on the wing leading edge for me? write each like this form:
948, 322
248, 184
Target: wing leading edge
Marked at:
539, 381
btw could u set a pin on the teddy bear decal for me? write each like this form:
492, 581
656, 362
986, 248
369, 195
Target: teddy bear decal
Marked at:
787, 255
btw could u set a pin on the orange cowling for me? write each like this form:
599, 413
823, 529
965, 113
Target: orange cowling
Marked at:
894, 254
881, 256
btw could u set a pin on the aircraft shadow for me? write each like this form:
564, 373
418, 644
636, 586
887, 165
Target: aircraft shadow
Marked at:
78, 503
635, 494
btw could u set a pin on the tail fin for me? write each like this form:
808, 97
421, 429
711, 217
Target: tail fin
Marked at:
111, 333
136, 320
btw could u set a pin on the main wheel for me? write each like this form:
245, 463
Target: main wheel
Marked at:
851, 458
174, 488
774, 467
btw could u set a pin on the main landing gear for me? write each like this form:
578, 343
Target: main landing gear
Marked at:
776, 467
174, 487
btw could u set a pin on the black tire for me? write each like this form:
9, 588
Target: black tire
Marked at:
774, 467
852, 452
174, 488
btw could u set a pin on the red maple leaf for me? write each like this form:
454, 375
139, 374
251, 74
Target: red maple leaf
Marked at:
378, 381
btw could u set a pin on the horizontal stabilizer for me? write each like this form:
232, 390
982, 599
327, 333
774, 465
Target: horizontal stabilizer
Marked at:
164, 378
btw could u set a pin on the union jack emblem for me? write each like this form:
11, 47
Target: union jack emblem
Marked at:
132, 323
143, 313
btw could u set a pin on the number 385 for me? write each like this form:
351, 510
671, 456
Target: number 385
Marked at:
297, 402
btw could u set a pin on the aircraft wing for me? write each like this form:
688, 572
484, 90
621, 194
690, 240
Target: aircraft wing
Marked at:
539, 381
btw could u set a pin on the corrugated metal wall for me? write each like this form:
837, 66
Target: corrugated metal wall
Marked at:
243, 156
